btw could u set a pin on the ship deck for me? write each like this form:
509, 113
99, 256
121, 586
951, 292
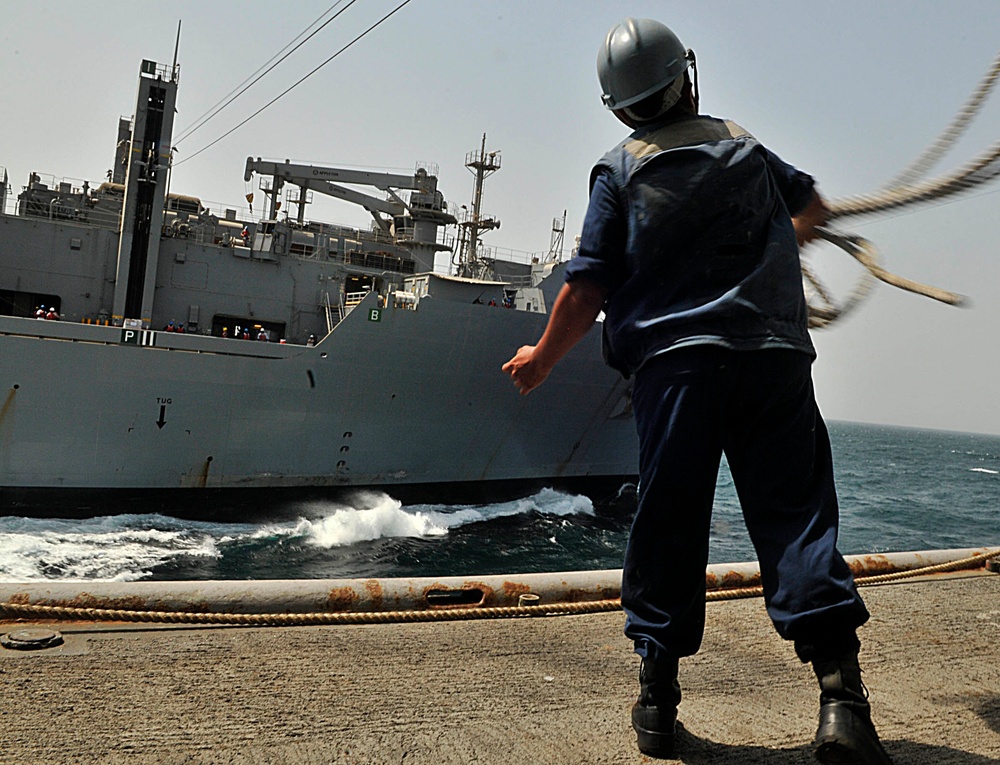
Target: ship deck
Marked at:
554, 689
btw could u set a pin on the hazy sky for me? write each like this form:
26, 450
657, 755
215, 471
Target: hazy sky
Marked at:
848, 91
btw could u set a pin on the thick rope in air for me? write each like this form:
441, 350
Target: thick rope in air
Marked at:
904, 191
824, 311
980, 170
823, 308
389, 617
940, 146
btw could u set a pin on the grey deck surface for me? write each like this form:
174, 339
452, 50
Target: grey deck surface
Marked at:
512, 691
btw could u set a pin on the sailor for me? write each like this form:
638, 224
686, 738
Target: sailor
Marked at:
170, 327
52, 314
40, 312
180, 327
690, 247
262, 335
311, 340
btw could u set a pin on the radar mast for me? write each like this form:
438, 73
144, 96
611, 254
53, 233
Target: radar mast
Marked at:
470, 261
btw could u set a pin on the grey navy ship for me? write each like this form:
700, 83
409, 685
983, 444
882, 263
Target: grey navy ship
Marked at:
314, 357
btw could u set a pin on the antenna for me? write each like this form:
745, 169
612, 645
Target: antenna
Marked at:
177, 45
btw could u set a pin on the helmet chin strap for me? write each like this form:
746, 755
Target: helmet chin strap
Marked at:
694, 78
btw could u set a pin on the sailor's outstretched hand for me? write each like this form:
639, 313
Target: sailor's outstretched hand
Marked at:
525, 370
805, 222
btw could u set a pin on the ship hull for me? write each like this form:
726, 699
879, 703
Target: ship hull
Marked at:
410, 402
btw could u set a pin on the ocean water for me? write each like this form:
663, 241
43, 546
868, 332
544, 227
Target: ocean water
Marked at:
900, 489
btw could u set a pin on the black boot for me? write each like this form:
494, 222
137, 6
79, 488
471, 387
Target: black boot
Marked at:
654, 715
846, 735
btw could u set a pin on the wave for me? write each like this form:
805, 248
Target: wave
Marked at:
133, 547
377, 516
92, 551
984, 470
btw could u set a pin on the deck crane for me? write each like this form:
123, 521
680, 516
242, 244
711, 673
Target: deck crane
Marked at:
413, 222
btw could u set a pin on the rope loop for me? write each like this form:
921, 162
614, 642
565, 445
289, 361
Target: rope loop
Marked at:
905, 190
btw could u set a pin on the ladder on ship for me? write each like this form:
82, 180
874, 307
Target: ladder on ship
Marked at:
335, 313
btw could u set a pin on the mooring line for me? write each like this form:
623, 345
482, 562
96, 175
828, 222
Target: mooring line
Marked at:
17, 610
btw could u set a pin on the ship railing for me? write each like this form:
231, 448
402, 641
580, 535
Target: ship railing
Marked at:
68, 200
352, 299
166, 72
378, 235
517, 256
383, 261
55, 210
518, 281
405, 233
101, 218
373, 234
196, 234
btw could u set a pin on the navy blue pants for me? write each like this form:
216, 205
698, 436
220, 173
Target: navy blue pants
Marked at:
758, 407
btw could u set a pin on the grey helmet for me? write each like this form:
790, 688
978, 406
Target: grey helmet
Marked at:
638, 58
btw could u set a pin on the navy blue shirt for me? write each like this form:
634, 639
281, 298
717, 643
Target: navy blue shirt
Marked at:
689, 229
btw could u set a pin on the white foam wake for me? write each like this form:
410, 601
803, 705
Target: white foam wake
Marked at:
377, 516
88, 553
130, 547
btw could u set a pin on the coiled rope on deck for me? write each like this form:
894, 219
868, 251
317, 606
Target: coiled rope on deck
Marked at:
904, 191
439, 615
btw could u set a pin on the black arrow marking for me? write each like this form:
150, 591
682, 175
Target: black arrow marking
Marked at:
161, 422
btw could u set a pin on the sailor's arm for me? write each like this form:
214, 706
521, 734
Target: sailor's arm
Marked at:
807, 208
576, 308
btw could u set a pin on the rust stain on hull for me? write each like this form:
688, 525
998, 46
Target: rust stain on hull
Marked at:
8, 404
203, 475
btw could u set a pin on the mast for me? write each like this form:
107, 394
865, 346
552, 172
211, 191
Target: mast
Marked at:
148, 160
556, 240
482, 165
